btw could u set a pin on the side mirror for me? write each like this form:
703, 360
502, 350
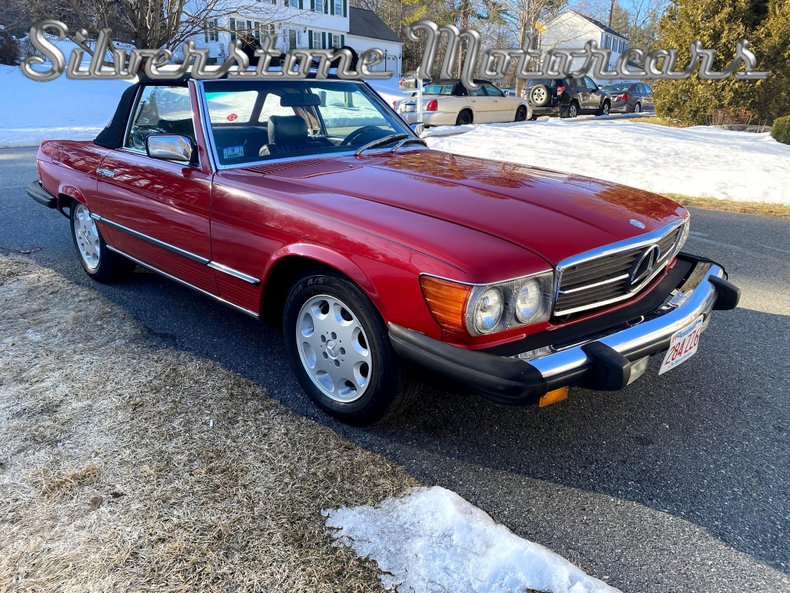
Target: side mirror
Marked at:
418, 128
169, 147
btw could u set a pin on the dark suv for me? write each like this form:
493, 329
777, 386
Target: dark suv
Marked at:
567, 97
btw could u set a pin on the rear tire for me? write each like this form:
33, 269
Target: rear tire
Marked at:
521, 113
339, 348
97, 260
571, 111
464, 118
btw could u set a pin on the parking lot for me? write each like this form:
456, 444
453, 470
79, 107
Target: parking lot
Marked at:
677, 484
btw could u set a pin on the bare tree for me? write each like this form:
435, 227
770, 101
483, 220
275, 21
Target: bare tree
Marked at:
523, 17
149, 23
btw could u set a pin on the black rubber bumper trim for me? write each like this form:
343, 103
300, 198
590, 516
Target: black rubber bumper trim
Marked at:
42, 196
728, 294
502, 379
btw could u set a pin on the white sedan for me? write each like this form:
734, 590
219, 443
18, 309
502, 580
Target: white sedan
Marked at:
449, 102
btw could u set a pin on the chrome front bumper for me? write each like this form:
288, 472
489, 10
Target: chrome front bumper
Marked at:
604, 361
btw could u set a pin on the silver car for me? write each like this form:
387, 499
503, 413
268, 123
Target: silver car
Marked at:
449, 102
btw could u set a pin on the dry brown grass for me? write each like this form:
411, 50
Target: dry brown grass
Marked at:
760, 208
658, 121
126, 465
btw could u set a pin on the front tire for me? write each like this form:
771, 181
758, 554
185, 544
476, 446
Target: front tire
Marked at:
339, 348
604, 110
638, 108
97, 260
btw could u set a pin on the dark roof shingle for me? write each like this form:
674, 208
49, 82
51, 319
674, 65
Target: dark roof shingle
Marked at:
366, 23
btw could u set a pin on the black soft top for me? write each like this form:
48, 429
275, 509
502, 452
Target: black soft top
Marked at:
112, 136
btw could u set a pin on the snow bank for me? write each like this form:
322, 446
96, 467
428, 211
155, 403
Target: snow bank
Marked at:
699, 161
433, 541
31, 112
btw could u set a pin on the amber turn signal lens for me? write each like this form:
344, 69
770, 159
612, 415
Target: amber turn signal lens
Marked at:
447, 302
552, 397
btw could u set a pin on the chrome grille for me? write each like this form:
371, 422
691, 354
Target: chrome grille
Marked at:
616, 272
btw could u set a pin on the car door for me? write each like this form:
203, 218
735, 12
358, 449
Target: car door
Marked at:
647, 98
478, 102
580, 93
499, 104
157, 211
594, 97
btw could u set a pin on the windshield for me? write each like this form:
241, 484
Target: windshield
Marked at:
618, 87
253, 121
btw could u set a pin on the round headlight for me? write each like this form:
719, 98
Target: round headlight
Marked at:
488, 310
529, 301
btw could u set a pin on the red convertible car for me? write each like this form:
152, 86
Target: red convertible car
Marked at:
312, 203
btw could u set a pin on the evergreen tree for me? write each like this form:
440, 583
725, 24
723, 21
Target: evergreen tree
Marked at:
773, 49
718, 24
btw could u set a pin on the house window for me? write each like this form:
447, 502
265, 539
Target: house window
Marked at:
338, 7
211, 33
316, 39
292, 39
232, 29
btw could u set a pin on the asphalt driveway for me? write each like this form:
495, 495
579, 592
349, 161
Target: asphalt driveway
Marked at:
677, 484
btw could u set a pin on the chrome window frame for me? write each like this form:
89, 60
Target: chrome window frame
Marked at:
130, 119
212, 148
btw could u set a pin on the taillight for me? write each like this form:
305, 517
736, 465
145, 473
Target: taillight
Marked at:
433, 105
623, 97
560, 90
395, 104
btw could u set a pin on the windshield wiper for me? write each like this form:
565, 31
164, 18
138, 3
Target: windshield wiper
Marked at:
408, 141
380, 142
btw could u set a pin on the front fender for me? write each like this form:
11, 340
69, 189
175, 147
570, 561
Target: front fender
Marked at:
326, 256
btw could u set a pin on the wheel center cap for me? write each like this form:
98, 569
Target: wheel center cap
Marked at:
331, 348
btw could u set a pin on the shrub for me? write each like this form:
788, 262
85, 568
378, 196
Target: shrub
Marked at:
9, 49
781, 129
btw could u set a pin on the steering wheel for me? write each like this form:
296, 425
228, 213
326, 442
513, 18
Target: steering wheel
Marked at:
361, 132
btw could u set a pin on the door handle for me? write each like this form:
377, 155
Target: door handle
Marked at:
105, 172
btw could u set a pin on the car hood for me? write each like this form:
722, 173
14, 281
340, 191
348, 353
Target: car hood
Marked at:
552, 214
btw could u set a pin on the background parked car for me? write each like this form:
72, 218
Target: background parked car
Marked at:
408, 82
630, 97
449, 102
567, 97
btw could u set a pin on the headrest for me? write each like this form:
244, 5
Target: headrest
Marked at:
285, 129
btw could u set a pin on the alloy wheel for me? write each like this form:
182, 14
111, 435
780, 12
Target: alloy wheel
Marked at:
87, 236
334, 348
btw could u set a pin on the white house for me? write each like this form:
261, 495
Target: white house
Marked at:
304, 24
571, 30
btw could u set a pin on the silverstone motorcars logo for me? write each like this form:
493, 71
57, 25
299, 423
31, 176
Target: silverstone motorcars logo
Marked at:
494, 63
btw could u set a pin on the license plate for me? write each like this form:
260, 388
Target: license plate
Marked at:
682, 346
409, 107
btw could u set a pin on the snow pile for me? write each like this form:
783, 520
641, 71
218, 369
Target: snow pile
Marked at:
433, 541
31, 112
699, 161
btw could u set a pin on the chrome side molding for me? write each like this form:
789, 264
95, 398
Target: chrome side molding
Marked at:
177, 250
